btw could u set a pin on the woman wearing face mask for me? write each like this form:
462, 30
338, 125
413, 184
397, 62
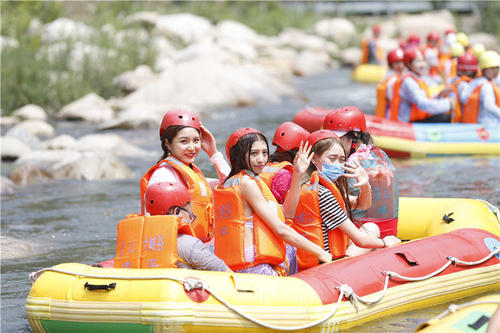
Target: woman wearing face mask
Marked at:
250, 229
182, 136
412, 101
375, 200
323, 210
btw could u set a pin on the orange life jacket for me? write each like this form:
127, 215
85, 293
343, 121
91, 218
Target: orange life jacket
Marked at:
379, 52
471, 107
416, 113
457, 114
448, 66
271, 169
149, 241
381, 106
199, 189
307, 222
230, 226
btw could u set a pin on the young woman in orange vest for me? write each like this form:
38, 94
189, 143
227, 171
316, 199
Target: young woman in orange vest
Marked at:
166, 234
482, 96
375, 200
182, 136
323, 210
385, 88
250, 229
278, 174
412, 101
371, 52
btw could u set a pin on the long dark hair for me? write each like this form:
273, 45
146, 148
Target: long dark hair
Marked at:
169, 135
356, 136
318, 149
239, 154
283, 156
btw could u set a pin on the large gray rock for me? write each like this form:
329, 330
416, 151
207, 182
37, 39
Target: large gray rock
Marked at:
142, 115
37, 127
25, 136
93, 166
7, 186
309, 63
237, 31
60, 142
30, 112
338, 29
351, 56
184, 27
45, 159
29, 174
144, 18
422, 24
489, 41
12, 248
132, 80
7, 121
13, 148
109, 143
91, 107
298, 39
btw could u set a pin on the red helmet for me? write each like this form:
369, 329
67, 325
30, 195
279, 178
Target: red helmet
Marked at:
289, 135
179, 117
345, 119
433, 36
410, 54
395, 55
317, 136
467, 63
376, 29
449, 31
413, 39
160, 197
233, 138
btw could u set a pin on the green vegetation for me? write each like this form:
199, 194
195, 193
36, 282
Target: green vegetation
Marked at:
489, 12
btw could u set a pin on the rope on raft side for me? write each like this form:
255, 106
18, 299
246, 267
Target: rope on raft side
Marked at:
344, 289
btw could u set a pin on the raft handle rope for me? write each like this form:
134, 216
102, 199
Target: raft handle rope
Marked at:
455, 307
344, 289
494, 208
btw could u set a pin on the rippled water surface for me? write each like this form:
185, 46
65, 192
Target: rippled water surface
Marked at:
75, 221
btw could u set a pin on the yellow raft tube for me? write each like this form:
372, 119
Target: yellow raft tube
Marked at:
80, 298
369, 73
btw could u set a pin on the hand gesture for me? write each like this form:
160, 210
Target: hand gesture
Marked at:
355, 170
325, 257
302, 158
391, 240
208, 142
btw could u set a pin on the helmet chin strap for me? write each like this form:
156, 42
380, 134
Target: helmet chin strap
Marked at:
354, 144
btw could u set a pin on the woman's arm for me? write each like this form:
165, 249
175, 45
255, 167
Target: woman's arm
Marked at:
251, 193
365, 240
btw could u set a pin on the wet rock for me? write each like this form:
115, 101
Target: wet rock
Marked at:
235, 31
64, 28
60, 142
309, 62
184, 27
93, 166
422, 24
46, 159
37, 127
13, 148
7, 186
108, 143
244, 50
298, 39
7, 121
338, 29
91, 107
351, 56
12, 248
25, 136
145, 18
30, 112
142, 115
278, 61
489, 41
28, 174
132, 80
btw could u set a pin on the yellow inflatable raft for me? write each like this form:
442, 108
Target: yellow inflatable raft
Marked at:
369, 73
467, 317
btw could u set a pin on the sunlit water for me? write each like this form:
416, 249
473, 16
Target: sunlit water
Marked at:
75, 221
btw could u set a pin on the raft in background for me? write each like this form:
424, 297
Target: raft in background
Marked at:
369, 73
473, 316
399, 139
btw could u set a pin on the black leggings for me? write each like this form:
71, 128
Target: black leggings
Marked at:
437, 118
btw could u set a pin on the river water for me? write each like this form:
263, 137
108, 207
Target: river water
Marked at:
75, 221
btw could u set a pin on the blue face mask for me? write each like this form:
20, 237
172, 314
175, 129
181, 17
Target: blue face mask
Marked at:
332, 171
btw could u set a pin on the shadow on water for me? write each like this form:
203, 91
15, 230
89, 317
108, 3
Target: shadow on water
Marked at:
75, 221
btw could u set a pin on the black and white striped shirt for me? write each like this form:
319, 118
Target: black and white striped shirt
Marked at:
331, 213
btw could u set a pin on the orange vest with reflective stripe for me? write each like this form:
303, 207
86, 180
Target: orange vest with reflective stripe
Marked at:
271, 169
307, 222
471, 108
416, 113
199, 189
381, 106
229, 233
379, 53
149, 241
457, 114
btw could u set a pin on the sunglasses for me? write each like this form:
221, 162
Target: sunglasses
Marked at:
178, 210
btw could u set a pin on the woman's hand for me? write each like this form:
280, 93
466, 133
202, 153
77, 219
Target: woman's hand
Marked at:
355, 170
302, 158
391, 240
208, 141
325, 257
